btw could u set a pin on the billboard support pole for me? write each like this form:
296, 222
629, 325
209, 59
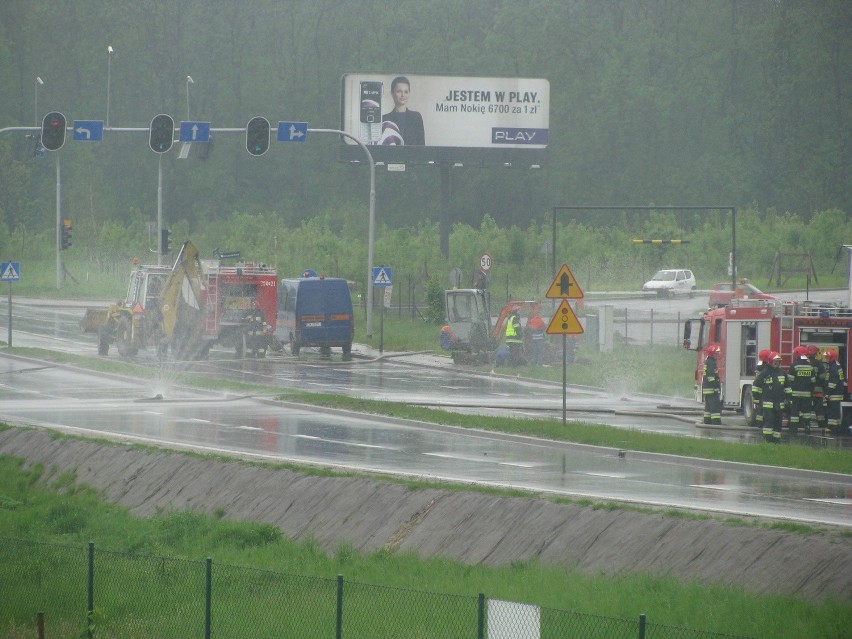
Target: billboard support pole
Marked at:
445, 209
372, 232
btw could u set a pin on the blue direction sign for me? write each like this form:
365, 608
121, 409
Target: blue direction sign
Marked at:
382, 276
88, 130
194, 131
292, 131
10, 271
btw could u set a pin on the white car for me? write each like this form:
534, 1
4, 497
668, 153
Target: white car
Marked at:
671, 282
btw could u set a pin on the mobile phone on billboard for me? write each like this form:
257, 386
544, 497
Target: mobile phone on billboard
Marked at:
371, 110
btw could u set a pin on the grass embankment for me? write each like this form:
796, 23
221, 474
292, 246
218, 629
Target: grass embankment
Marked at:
37, 506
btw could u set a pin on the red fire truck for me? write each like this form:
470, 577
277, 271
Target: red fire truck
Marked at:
746, 327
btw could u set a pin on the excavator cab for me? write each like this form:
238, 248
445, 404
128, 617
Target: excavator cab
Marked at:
468, 329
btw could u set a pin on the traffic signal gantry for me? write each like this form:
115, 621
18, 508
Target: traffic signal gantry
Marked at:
161, 133
53, 131
257, 135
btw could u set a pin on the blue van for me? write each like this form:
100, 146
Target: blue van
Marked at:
315, 311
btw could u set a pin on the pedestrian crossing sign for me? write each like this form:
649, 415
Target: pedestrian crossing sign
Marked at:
382, 276
10, 271
564, 321
564, 286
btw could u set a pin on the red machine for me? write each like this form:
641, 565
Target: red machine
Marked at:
745, 327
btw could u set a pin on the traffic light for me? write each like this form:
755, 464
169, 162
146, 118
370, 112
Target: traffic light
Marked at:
161, 133
257, 136
53, 131
165, 241
67, 227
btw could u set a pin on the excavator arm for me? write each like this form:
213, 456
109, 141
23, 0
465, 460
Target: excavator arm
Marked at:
181, 304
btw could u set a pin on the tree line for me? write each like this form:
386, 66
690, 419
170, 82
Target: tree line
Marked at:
681, 102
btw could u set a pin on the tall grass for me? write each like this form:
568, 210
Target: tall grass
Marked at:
39, 507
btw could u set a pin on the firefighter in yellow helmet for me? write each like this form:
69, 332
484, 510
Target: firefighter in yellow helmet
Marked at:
773, 398
711, 386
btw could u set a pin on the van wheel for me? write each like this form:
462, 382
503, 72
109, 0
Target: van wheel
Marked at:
294, 345
692, 292
347, 352
748, 407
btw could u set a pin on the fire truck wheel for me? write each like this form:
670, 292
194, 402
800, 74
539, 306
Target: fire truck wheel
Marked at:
294, 345
240, 346
748, 406
347, 352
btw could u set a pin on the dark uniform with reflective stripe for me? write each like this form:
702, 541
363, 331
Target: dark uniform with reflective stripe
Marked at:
711, 390
773, 398
835, 389
801, 377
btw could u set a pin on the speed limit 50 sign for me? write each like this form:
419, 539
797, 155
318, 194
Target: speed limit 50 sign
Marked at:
485, 262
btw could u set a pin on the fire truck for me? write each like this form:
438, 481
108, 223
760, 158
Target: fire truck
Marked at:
747, 326
188, 308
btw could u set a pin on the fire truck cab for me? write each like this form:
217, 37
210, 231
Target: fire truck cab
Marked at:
746, 327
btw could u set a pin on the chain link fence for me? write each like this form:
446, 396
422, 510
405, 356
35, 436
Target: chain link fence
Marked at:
82, 592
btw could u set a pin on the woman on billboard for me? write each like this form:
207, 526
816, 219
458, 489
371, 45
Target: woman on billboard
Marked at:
402, 125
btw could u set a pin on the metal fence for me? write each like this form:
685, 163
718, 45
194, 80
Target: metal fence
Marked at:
79, 592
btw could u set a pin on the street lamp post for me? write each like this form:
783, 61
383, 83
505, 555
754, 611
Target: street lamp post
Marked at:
189, 81
110, 52
38, 81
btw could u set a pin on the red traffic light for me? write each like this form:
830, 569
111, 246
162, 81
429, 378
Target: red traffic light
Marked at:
53, 131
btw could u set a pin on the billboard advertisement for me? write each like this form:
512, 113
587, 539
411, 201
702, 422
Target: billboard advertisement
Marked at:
422, 111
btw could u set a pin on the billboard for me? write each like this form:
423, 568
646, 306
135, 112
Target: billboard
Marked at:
396, 111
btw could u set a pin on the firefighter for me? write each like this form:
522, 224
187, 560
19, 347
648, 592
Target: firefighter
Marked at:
711, 386
515, 340
801, 378
835, 387
821, 373
773, 398
763, 366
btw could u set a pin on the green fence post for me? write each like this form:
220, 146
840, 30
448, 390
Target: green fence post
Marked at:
338, 632
642, 626
90, 598
480, 617
208, 597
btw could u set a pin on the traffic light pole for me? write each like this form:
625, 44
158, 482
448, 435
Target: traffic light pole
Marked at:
58, 225
160, 211
372, 231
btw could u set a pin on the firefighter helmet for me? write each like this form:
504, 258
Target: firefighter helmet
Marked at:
829, 356
711, 349
800, 351
763, 355
773, 356
812, 350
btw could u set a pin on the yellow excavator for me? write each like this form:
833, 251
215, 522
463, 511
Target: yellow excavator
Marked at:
163, 308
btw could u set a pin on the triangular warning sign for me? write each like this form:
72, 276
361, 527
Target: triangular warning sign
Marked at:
382, 277
564, 321
10, 273
564, 286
